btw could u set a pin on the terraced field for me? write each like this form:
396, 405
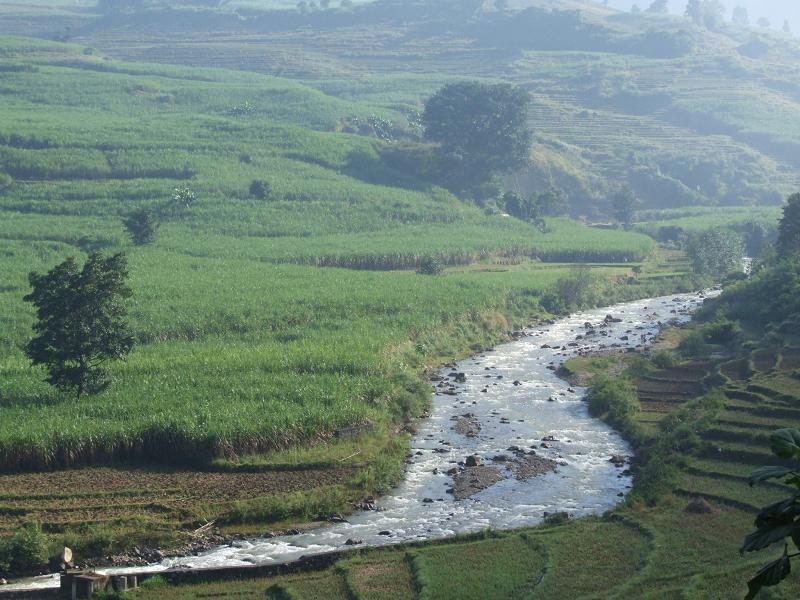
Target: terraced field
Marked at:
683, 547
698, 121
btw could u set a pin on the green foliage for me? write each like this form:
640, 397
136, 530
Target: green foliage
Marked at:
708, 13
788, 244
261, 190
527, 209
142, 226
156, 582
722, 331
716, 252
182, 200
778, 523
572, 292
24, 551
482, 129
693, 345
617, 402
430, 265
624, 204
771, 296
664, 359
81, 321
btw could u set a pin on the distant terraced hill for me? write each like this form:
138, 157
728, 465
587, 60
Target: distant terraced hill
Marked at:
683, 114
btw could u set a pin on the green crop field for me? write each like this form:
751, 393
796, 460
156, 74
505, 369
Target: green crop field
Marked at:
282, 336
262, 325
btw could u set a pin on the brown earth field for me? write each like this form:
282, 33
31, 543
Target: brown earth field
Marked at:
64, 496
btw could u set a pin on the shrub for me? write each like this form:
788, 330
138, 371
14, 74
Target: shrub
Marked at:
693, 345
26, 550
573, 292
664, 359
722, 331
261, 190
617, 399
430, 265
141, 226
154, 583
559, 518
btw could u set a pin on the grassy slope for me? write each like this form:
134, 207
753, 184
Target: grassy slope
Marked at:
210, 308
713, 125
242, 348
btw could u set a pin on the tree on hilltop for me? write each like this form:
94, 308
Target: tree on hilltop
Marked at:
481, 129
81, 321
706, 13
659, 7
741, 16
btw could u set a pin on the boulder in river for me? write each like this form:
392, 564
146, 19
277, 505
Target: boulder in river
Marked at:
467, 425
618, 460
533, 466
472, 480
353, 542
473, 461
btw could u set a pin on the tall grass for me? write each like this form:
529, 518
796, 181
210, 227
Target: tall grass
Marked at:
244, 344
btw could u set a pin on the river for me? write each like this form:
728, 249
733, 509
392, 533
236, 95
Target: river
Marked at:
523, 409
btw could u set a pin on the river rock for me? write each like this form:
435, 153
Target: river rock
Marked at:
385, 533
618, 460
473, 461
472, 480
353, 542
467, 425
532, 466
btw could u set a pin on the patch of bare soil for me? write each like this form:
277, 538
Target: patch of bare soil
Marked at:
100, 493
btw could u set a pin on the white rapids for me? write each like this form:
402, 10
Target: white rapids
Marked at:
539, 406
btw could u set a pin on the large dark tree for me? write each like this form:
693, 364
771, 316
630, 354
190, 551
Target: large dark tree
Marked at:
81, 321
716, 252
481, 130
789, 228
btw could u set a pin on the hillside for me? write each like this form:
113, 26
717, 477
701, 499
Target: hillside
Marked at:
685, 115
278, 333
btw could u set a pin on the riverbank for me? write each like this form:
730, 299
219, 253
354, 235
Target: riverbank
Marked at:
523, 369
158, 509
685, 544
